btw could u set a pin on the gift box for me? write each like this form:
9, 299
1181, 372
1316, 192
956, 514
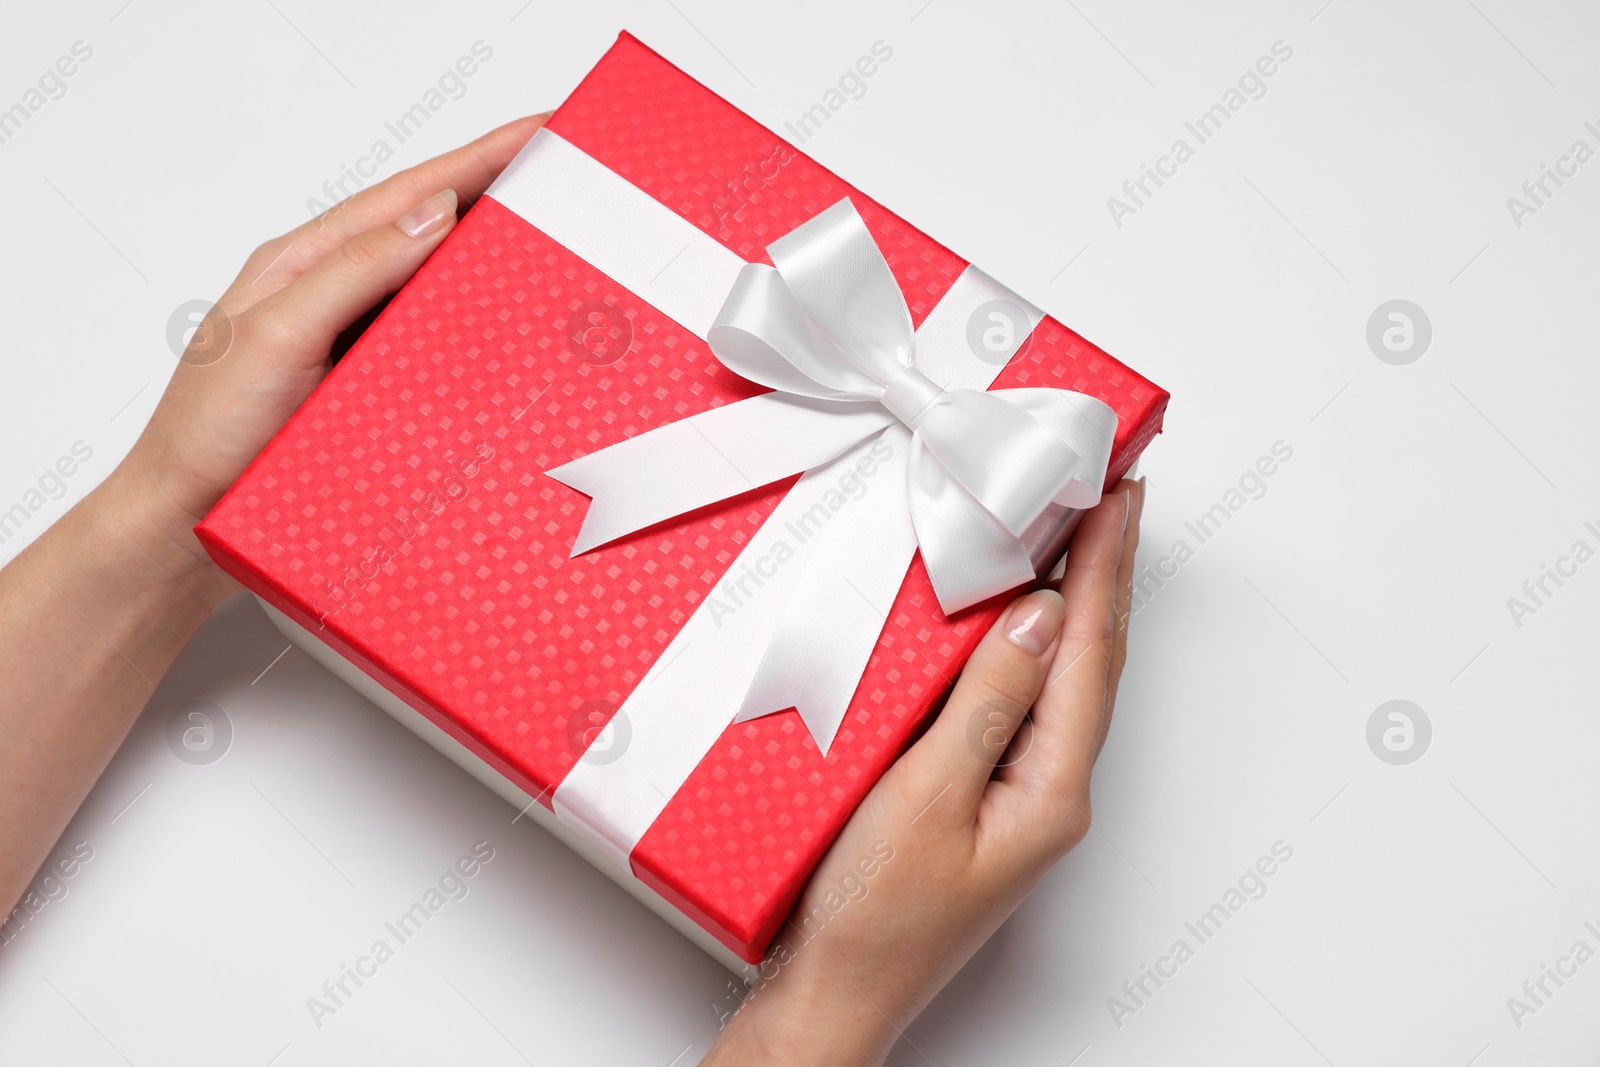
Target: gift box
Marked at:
609, 505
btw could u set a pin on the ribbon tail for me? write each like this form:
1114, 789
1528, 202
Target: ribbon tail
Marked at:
819, 649
708, 457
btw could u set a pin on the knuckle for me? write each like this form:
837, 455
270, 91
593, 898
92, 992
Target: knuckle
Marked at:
1106, 633
1083, 655
1093, 626
264, 327
1072, 824
363, 255
999, 689
1119, 659
285, 257
418, 181
267, 250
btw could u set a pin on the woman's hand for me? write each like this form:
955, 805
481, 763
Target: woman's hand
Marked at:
266, 344
958, 831
120, 580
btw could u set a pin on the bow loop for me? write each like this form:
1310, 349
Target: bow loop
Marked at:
766, 335
840, 277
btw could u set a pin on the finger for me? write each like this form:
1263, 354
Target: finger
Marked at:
1067, 714
296, 328
468, 170
1119, 650
995, 690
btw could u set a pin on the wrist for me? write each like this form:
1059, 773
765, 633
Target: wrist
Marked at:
147, 545
798, 1021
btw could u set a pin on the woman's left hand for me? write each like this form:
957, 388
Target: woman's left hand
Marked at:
94, 611
266, 344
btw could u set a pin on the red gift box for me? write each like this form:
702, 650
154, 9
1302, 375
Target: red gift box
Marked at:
405, 530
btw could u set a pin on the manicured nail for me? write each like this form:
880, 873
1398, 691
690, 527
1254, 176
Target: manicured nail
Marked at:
1034, 621
428, 216
1140, 512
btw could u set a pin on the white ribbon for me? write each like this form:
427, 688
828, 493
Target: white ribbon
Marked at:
828, 330
800, 633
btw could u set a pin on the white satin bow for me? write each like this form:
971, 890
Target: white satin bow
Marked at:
828, 330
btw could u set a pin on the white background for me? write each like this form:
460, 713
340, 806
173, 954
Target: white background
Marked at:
1376, 566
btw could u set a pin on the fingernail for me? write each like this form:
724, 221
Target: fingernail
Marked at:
1127, 507
1141, 497
1034, 621
428, 216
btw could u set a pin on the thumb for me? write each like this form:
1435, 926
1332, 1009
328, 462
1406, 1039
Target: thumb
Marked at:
997, 687
301, 322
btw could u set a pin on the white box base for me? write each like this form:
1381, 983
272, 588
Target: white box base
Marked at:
464, 758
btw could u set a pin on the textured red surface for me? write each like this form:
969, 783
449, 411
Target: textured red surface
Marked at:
403, 514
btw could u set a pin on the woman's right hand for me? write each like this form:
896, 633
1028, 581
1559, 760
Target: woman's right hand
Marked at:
956, 834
